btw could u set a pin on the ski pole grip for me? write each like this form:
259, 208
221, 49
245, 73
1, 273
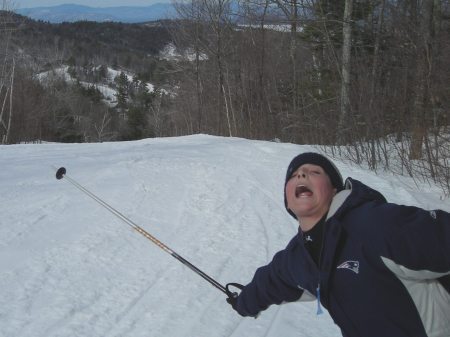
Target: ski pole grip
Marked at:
231, 293
60, 173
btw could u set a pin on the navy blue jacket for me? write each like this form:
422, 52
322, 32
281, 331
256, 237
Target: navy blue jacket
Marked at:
384, 269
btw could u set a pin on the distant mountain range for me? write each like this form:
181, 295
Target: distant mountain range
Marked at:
126, 14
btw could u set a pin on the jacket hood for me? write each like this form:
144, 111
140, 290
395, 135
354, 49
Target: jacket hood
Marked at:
354, 194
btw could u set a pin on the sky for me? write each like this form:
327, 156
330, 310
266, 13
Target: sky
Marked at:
90, 3
71, 268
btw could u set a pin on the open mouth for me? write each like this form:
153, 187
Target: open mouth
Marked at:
302, 191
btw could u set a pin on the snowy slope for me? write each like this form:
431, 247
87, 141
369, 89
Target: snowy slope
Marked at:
70, 268
107, 90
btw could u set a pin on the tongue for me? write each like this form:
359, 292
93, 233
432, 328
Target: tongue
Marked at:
302, 192
305, 194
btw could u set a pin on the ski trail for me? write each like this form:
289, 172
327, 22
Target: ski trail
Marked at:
70, 268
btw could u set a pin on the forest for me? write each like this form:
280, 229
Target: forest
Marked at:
367, 80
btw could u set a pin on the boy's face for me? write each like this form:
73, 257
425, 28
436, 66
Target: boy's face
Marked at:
309, 192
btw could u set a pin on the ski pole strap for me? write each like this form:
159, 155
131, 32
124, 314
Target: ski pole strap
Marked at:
230, 293
232, 298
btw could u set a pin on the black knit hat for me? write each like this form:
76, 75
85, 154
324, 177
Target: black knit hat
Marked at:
315, 159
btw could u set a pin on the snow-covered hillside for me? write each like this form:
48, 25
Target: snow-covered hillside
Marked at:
70, 268
107, 89
171, 53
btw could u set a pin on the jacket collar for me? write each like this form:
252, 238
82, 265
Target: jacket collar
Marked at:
354, 194
338, 201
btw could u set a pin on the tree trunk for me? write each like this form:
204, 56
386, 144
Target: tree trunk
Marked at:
371, 135
293, 53
8, 127
421, 103
198, 81
345, 72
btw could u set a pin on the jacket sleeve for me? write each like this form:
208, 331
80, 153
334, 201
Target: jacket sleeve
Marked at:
418, 241
272, 284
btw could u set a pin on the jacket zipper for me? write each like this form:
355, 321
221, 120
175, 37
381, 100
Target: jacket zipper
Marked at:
319, 306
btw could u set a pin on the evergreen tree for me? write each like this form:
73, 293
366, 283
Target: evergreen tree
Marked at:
137, 124
122, 85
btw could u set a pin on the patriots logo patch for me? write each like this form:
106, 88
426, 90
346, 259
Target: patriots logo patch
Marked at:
350, 265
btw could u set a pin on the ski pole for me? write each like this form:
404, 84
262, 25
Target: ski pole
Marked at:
61, 173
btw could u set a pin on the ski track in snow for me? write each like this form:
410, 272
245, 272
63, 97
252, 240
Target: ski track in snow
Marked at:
70, 268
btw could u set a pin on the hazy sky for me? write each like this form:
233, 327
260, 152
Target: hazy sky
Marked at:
91, 3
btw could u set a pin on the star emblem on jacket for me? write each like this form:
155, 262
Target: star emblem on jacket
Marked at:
350, 265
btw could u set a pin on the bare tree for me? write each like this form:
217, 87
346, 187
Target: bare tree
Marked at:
7, 27
345, 73
101, 127
421, 105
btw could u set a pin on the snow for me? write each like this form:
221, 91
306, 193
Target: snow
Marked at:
113, 73
171, 53
150, 87
57, 73
70, 268
284, 28
108, 92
